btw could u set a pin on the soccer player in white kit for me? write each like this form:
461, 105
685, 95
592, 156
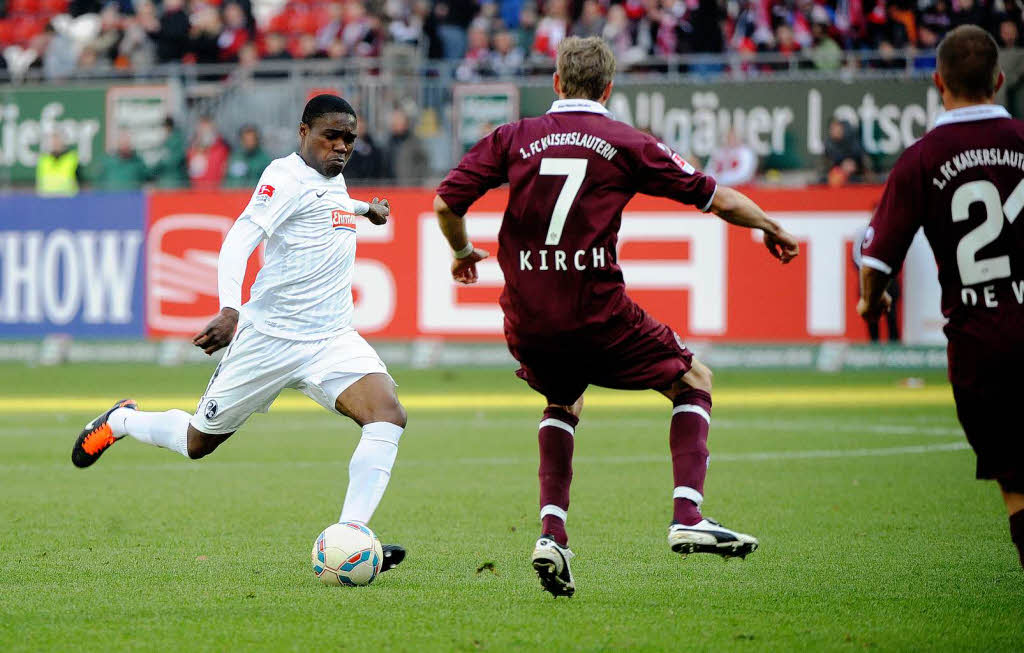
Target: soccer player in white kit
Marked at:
296, 329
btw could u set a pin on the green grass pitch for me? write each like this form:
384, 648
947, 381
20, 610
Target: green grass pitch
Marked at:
873, 532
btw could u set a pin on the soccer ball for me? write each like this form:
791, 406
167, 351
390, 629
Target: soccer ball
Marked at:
347, 553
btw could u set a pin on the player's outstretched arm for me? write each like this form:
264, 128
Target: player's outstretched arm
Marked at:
736, 208
874, 300
466, 256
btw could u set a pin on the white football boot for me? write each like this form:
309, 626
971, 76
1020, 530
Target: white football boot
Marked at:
708, 536
551, 562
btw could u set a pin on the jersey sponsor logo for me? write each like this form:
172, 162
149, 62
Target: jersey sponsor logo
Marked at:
343, 220
211, 409
320, 193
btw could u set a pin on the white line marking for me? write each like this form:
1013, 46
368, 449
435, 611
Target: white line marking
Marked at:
531, 461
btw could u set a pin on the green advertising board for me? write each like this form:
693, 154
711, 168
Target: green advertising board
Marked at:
29, 116
88, 117
783, 119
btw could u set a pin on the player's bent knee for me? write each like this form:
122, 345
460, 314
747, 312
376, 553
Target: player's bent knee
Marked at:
202, 444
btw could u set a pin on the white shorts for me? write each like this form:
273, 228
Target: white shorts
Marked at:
256, 367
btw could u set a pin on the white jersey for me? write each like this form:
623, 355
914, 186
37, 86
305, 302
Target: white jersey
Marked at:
304, 291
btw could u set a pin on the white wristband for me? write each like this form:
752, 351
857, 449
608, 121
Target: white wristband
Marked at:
360, 208
465, 251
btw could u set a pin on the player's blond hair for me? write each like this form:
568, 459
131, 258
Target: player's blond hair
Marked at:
585, 67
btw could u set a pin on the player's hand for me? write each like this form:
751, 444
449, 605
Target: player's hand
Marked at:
781, 244
380, 210
464, 269
872, 313
218, 333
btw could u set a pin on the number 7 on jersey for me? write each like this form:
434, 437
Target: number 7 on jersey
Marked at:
574, 170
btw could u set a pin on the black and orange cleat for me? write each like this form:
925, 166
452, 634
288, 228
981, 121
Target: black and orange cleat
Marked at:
97, 437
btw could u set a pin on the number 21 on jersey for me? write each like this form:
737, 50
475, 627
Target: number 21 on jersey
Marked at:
972, 269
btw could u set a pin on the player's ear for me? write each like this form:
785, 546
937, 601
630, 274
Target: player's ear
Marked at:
607, 93
556, 83
1000, 80
937, 80
303, 130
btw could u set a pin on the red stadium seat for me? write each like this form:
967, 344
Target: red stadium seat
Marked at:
279, 23
26, 27
302, 22
51, 7
23, 7
6, 32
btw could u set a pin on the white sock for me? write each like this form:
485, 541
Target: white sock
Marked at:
168, 429
370, 470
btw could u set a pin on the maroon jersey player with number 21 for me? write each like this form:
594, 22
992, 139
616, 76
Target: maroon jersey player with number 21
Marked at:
964, 183
568, 320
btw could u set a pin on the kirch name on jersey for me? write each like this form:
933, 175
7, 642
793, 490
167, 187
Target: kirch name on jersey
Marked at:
560, 260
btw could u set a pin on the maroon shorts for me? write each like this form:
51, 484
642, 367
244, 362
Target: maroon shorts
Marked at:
991, 421
632, 351
987, 386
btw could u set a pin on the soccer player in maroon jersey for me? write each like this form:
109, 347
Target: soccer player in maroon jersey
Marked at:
568, 320
964, 183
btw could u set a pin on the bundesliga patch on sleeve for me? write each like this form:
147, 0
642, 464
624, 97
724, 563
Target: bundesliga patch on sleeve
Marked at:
678, 160
264, 194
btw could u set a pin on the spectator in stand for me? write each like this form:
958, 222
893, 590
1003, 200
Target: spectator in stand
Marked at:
57, 170
123, 169
407, 21
453, 18
507, 58
409, 159
207, 156
172, 39
617, 32
171, 167
276, 47
552, 28
787, 46
706, 24
247, 162
235, 32
305, 47
248, 61
360, 34
591, 20
90, 63
972, 12
527, 29
733, 164
478, 57
137, 50
844, 160
331, 30
367, 160
825, 53
204, 35
1009, 33
58, 50
107, 43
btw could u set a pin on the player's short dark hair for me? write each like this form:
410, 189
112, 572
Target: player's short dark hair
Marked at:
324, 104
968, 62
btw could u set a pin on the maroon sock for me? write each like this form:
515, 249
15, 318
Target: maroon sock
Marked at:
1017, 533
555, 473
688, 437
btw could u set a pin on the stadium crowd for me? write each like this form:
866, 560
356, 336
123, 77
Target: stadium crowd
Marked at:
64, 37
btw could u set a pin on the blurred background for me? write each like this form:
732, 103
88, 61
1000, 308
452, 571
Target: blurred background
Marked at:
132, 133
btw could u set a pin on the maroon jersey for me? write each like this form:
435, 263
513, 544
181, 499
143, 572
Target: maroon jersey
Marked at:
570, 174
964, 183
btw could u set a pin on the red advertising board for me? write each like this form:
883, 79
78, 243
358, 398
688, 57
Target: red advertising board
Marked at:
707, 279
